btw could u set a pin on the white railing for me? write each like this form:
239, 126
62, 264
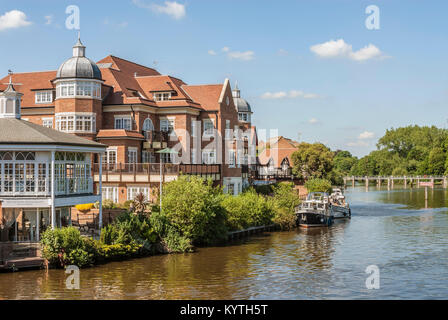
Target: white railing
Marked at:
69, 186
34, 188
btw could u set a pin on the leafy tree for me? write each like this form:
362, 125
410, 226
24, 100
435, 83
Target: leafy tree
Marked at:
436, 161
312, 161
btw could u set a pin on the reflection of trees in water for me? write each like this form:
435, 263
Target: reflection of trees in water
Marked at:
240, 270
414, 198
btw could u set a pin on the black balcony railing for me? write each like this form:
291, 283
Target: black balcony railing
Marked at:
156, 136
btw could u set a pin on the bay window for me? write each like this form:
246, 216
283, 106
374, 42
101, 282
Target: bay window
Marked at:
71, 89
76, 122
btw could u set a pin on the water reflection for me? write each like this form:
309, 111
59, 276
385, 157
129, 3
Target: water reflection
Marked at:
409, 245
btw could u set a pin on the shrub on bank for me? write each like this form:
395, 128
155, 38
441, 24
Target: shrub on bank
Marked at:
192, 207
66, 246
248, 209
285, 200
318, 185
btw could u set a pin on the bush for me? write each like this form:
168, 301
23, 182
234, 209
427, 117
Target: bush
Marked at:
65, 246
285, 200
318, 185
109, 204
119, 251
193, 208
285, 218
248, 209
265, 189
85, 207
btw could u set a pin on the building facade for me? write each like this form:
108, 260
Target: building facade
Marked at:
136, 112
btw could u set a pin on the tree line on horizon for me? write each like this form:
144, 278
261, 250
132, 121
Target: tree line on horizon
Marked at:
411, 150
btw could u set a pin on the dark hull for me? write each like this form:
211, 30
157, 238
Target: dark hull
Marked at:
312, 219
341, 212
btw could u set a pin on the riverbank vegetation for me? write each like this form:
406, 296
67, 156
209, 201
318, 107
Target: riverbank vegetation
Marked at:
194, 213
411, 150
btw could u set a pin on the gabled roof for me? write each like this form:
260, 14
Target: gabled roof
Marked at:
127, 66
208, 96
27, 82
15, 131
277, 149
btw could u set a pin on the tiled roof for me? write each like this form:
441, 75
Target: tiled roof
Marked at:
206, 95
125, 82
111, 133
26, 82
277, 148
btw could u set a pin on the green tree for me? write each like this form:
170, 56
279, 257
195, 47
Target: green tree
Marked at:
312, 161
436, 161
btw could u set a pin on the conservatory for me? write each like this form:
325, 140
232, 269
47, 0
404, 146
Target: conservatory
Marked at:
43, 173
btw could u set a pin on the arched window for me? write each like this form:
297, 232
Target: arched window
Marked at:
148, 125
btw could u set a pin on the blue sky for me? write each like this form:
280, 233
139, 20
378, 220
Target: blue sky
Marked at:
301, 64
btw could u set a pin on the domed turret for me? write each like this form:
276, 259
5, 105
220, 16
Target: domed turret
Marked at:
242, 106
79, 66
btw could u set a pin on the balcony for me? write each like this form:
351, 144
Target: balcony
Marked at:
155, 139
269, 173
150, 172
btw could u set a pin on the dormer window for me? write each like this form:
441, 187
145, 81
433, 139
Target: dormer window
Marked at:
44, 97
162, 96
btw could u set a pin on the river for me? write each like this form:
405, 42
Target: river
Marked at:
406, 238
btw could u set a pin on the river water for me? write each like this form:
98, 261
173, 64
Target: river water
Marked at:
406, 238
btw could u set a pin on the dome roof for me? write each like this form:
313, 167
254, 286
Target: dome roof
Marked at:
79, 66
240, 104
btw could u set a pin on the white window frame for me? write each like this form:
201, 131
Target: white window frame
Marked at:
107, 157
120, 121
209, 156
68, 121
47, 122
43, 97
132, 151
132, 191
78, 89
167, 124
208, 131
110, 193
162, 96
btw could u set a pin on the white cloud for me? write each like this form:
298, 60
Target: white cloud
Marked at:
245, 56
13, 19
313, 121
212, 52
282, 52
123, 24
366, 135
49, 19
225, 49
340, 49
291, 95
172, 8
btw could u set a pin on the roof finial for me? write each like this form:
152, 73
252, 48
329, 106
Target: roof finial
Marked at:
10, 76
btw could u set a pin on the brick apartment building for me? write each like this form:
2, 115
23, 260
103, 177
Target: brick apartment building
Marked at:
136, 112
